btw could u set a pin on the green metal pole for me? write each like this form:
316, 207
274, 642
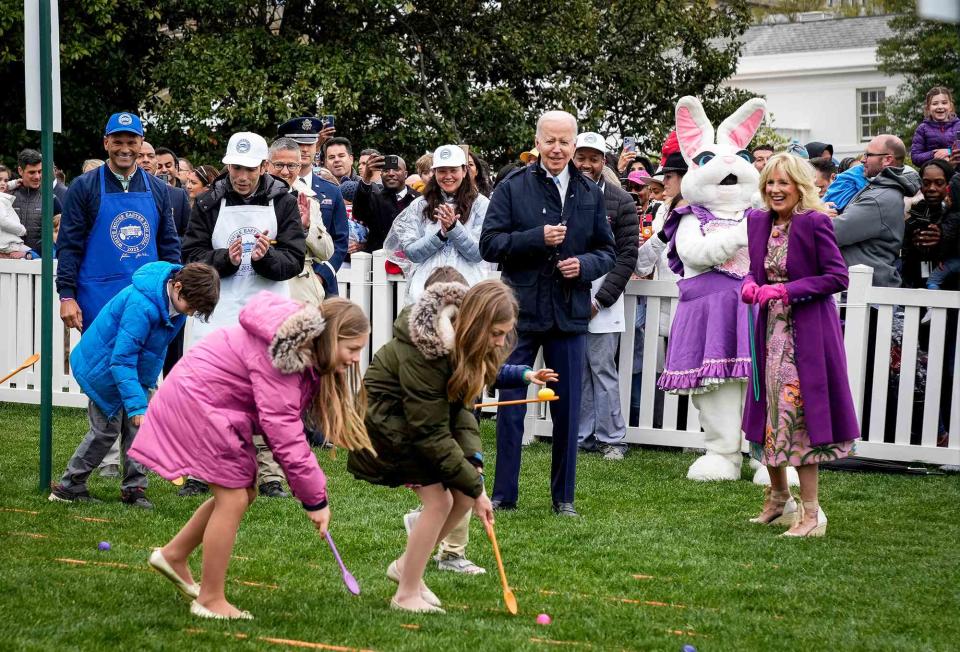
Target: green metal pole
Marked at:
46, 283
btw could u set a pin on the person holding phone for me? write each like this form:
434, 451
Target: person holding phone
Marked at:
930, 232
377, 206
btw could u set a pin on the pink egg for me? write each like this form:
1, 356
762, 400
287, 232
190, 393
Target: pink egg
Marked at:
543, 619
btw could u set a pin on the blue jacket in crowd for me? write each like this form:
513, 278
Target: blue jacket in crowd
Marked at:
845, 187
334, 213
122, 351
80, 211
513, 236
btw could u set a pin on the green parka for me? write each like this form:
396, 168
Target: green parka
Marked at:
421, 438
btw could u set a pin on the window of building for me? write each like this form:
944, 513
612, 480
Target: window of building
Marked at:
870, 105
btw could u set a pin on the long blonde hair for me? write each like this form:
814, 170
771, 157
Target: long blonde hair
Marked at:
475, 362
803, 176
340, 404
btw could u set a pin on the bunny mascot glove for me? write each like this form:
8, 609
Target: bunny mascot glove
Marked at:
708, 354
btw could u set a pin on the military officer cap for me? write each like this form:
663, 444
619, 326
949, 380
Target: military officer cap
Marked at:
305, 129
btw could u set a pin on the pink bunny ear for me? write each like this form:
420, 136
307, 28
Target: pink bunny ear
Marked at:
738, 130
694, 130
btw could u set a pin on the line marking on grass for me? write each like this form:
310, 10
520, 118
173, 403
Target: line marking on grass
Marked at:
290, 642
258, 584
550, 641
32, 535
83, 562
640, 576
308, 644
91, 519
409, 626
613, 598
18, 511
685, 632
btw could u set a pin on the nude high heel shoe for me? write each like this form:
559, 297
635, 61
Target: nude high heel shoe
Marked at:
817, 529
779, 508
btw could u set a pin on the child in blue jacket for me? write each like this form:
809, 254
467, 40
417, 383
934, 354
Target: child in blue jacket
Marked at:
119, 359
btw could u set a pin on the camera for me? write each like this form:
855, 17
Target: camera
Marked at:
391, 162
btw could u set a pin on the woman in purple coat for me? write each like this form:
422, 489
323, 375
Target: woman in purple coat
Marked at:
805, 412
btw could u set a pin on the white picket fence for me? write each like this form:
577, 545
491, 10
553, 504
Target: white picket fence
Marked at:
381, 296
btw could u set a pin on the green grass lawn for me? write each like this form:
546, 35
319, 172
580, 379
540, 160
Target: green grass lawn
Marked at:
656, 562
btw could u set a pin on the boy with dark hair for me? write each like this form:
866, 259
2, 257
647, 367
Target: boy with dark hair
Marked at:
826, 173
120, 357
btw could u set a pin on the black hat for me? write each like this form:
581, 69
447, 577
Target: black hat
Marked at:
816, 149
673, 163
305, 129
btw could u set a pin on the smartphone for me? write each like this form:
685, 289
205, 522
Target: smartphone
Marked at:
629, 144
163, 176
328, 121
391, 162
956, 146
466, 150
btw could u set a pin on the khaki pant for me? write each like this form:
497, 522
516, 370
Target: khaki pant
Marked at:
456, 542
267, 468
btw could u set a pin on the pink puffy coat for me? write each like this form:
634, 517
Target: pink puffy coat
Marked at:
240, 380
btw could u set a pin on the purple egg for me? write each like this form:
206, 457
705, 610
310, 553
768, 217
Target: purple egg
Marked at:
103, 545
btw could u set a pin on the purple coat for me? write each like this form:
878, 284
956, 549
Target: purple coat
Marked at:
202, 420
931, 135
816, 271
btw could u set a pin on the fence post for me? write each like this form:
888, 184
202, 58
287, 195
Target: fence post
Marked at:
360, 294
856, 331
382, 311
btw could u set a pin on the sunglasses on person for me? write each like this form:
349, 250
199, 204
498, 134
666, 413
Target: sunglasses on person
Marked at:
202, 176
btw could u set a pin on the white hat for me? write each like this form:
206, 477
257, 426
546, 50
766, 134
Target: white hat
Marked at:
449, 156
247, 149
592, 140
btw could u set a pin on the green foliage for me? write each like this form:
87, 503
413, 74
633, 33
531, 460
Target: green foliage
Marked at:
107, 48
656, 562
927, 54
405, 77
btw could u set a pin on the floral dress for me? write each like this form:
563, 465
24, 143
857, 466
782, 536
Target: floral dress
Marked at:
786, 441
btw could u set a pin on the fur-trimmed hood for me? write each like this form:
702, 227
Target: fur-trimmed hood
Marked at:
431, 319
287, 326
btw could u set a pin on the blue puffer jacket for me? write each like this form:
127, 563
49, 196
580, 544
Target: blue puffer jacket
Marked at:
512, 236
122, 351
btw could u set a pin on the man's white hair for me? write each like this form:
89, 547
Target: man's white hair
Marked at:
556, 116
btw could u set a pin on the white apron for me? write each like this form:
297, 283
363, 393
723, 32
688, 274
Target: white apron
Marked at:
609, 319
233, 222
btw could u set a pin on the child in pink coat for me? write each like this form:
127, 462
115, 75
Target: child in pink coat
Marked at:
260, 376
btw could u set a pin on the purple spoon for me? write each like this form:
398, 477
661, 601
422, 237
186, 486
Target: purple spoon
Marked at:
348, 579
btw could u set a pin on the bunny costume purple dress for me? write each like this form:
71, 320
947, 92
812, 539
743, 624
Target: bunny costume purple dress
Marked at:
708, 353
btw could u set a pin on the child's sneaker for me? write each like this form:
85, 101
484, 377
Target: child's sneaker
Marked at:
135, 498
61, 495
458, 564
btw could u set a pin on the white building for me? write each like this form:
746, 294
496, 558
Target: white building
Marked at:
820, 78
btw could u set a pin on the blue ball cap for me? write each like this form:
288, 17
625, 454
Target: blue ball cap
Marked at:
304, 130
124, 122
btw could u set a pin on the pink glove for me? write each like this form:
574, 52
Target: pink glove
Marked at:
768, 293
748, 292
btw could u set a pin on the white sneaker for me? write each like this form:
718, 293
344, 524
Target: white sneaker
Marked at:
458, 564
409, 519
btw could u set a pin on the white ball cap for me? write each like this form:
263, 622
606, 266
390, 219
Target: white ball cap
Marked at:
247, 149
449, 156
592, 140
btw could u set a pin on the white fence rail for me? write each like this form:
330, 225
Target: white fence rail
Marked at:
883, 334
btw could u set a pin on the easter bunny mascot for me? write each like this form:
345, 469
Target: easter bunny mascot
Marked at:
708, 354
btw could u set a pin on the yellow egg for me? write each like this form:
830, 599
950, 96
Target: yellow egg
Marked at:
545, 393
177, 482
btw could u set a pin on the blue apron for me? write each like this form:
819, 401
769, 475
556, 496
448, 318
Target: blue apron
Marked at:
122, 239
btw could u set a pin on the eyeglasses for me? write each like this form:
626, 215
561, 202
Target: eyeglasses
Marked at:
869, 154
293, 167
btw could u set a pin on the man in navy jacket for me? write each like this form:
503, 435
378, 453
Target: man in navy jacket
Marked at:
547, 228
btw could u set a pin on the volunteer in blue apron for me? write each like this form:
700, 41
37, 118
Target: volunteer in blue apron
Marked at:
116, 218
247, 226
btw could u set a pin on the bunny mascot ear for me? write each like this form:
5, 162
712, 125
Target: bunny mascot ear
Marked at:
738, 130
694, 130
